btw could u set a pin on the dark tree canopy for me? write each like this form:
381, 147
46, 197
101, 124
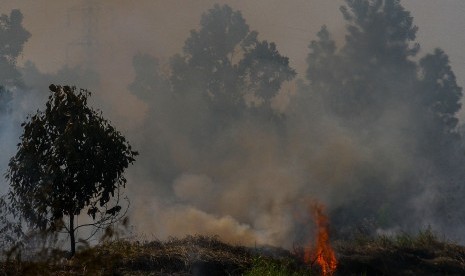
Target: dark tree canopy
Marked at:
439, 90
379, 45
321, 59
70, 158
226, 63
380, 29
263, 70
206, 67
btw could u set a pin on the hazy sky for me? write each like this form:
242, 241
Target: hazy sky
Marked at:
160, 27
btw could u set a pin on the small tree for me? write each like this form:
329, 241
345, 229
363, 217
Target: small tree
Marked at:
69, 159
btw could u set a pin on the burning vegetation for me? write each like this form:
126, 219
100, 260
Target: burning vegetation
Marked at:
322, 253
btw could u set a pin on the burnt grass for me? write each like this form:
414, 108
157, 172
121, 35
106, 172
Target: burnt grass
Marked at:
422, 254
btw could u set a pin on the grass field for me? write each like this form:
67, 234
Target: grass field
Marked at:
422, 254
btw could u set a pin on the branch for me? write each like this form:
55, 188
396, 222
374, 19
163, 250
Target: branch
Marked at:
106, 221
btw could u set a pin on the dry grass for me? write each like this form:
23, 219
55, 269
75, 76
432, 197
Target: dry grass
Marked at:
193, 255
422, 254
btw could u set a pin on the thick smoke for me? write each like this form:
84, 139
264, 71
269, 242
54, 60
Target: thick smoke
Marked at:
368, 157
248, 172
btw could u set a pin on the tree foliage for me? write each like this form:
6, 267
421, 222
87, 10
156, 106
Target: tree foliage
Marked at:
365, 19
374, 69
439, 90
228, 65
376, 86
70, 158
379, 45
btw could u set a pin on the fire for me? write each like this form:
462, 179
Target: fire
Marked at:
323, 254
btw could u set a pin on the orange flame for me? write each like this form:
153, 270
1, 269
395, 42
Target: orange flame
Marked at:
323, 254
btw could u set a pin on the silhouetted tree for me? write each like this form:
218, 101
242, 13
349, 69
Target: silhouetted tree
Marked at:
324, 73
438, 89
376, 74
374, 70
439, 98
378, 47
69, 159
12, 39
366, 18
262, 71
228, 66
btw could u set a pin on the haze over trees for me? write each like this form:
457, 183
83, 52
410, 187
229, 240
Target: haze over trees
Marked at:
398, 109
13, 36
371, 128
229, 66
224, 76
376, 85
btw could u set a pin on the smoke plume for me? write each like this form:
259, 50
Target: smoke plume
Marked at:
248, 174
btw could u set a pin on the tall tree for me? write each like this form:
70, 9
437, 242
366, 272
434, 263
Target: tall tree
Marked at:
377, 87
379, 43
262, 71
69, 159
324, 73
207, 65
438, 95
379, 31
439, 90
13, 36
228, 66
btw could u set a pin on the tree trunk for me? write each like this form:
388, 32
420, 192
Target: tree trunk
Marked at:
71, 235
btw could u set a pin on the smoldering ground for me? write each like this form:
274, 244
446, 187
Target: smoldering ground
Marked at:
252, 181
